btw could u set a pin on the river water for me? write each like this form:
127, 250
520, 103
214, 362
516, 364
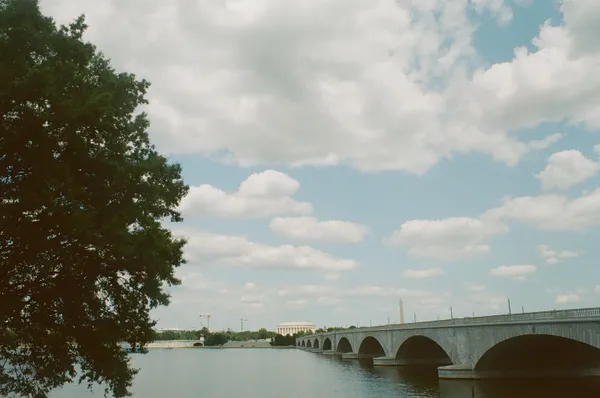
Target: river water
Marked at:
266, 373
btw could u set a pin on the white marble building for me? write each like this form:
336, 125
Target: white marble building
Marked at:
286, 328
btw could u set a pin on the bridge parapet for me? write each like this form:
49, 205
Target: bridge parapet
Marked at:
528, 317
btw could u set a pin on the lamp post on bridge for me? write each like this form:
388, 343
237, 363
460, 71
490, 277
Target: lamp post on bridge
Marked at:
401, 307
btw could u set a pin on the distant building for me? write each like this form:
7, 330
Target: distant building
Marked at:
173, 330
286, 328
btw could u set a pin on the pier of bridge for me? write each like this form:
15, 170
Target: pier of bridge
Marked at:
537, 344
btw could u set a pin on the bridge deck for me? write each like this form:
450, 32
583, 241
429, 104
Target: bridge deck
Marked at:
570, 315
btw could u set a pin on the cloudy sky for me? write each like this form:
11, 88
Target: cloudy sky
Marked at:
342, 154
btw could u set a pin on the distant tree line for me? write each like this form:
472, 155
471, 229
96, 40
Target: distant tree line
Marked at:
212, 339
333, 329
283, 341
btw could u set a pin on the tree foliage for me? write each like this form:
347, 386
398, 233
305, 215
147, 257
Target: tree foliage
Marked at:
333, 329
229, 335
247, 335
284, 341
83, 255
177, 335
263, 333
215, 339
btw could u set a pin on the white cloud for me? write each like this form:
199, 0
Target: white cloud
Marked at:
196, 281
257, 300
206, 247
583, 16
551, 212
422, 273
359, 292
581, 291
546, 141
567, 168
200, 293
549, 84
332, 277
554, 257
567, 298
310, 228
275, 84
513, 271
499, 8
475, 287
261, 194
462, 237
447, 239
433, 301
329, 300
483, 301
297, 303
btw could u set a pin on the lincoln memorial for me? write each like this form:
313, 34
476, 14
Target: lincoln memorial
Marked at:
290, 328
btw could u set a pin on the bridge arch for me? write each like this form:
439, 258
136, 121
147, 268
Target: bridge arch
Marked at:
538, 354
344, 345
422, 350
316, 343
303, 343
308, 344
327, 344
371, 347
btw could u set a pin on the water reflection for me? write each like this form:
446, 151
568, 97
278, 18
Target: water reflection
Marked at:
417, 376
537, 388
295, 374
422, 381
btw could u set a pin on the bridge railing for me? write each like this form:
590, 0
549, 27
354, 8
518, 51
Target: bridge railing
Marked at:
504, 318
535, 316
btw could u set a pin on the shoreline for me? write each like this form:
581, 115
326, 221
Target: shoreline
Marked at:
172, 344
246, 347
224, 348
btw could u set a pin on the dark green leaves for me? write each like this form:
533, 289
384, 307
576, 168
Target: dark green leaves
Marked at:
83, 256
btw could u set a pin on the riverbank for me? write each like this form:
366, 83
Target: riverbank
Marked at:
172, 344
168, 344
250, 347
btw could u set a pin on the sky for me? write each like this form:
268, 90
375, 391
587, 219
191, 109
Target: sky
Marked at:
344, 154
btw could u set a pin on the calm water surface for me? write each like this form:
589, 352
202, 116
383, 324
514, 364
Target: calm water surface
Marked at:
265, 373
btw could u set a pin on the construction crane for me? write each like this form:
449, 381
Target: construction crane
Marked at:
207, 320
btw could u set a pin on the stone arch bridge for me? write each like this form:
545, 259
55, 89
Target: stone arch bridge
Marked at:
550, 343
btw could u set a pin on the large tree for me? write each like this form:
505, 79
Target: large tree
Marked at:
83, 254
